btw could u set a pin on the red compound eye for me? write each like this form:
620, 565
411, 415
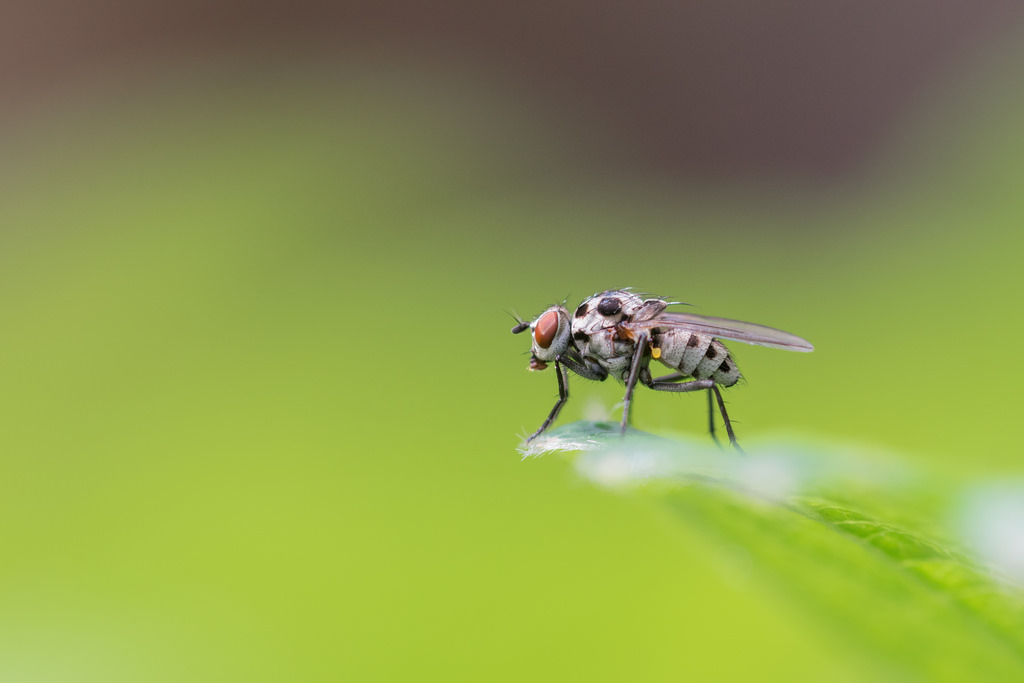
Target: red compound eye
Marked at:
545, 329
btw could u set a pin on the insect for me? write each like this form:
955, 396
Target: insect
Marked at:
618, 333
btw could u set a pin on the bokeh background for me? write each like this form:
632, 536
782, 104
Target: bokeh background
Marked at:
259, 402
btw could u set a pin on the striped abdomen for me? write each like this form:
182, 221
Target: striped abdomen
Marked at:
696, 355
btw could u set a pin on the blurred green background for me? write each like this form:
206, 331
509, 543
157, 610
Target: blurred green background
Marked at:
261, 406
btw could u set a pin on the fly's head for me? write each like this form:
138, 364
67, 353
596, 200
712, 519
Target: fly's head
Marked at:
550, 333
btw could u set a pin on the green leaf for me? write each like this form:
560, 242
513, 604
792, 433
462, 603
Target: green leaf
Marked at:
831, 534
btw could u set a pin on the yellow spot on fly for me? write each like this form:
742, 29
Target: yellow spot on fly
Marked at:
656, 353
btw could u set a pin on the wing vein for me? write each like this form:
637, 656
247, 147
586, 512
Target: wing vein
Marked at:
724, 328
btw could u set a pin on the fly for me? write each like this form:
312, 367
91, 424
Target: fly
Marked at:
617, 334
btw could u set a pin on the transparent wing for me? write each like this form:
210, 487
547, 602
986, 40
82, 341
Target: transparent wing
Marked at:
736, 330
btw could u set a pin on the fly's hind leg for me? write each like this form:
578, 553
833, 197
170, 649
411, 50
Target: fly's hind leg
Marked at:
711, 420
665, 384
563, 396
674, 378
725, 417
680, 387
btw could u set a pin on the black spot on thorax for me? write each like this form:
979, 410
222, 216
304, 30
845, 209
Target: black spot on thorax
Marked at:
609, 306
582, 310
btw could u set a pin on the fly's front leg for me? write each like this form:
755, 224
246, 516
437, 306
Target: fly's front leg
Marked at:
576, 364
634, 375
563, 396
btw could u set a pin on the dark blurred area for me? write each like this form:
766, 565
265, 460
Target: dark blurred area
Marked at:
715, 91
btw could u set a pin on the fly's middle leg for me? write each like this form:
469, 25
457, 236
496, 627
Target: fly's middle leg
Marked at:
634, 376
